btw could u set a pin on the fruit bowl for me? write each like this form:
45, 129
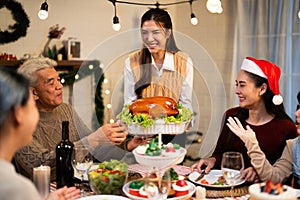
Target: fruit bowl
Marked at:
160, 161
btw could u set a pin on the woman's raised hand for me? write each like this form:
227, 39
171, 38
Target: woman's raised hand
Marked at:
237, 128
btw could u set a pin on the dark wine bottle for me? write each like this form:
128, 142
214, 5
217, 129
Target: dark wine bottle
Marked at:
64, 169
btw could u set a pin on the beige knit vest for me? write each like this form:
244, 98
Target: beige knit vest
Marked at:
170, 83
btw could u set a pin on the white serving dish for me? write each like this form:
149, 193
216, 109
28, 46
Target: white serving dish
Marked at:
159, 127
160, 161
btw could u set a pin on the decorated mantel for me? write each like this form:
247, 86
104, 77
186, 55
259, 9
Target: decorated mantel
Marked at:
74, 70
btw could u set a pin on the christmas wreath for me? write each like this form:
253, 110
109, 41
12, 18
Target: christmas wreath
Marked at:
19, 29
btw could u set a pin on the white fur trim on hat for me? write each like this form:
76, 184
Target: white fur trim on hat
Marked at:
277, 99
252, 67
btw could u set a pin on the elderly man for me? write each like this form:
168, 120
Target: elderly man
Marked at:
47, 91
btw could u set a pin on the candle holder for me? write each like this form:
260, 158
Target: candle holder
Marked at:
41, 179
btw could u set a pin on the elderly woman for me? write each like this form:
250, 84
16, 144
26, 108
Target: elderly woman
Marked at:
287, 164
47, 92
18, 119
261, 108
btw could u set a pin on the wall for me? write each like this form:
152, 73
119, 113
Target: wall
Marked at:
210, 44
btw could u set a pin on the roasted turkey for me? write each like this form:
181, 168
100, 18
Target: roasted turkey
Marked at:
155, 107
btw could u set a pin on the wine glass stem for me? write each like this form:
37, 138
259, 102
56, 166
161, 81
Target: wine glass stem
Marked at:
82, 193
231, 192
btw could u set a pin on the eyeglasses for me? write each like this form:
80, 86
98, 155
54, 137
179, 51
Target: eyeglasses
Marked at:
298, 106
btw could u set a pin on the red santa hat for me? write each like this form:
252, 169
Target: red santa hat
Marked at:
268, 70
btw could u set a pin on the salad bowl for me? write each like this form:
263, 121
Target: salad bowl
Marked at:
108, 178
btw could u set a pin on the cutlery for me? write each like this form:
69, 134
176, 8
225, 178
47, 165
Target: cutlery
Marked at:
202, 173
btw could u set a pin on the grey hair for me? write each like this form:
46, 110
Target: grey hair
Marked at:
14, 91
31, 66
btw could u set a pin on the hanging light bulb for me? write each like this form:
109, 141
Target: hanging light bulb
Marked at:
43, 12
194, 19
220, 10
116, 24
299, 11
214, 6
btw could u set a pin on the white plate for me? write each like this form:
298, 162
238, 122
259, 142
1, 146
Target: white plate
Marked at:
184, 197
211, 177
104, 197
85, 176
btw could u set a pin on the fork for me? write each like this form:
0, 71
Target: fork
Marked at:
202, 173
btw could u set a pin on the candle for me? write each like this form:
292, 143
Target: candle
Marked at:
41, 179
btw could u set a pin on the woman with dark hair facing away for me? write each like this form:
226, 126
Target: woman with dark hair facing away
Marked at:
18, 119
261, 108
159, 68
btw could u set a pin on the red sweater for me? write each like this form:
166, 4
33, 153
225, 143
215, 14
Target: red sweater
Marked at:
271, 137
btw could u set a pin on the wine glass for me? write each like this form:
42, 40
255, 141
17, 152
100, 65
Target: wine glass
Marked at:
232, 167
81, 161
157, 186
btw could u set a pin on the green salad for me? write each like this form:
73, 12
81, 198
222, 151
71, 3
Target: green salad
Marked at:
125, 116
109, 177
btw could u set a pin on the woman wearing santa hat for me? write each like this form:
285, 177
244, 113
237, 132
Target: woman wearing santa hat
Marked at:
287, 164
260, 107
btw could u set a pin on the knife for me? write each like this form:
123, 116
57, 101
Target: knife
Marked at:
202, 173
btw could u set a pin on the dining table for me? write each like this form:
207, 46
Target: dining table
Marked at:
139, 171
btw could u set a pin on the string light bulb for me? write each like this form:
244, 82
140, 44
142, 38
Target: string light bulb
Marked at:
116, 24
194, 19
214, 6
43, 12
299, 11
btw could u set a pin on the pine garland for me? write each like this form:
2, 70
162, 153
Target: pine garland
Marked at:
19, 29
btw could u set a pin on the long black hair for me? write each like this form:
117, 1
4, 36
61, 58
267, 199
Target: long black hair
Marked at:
277, 110
162, 19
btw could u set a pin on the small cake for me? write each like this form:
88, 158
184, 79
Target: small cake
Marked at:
143, 193
181, 188
136, 188
271, 191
